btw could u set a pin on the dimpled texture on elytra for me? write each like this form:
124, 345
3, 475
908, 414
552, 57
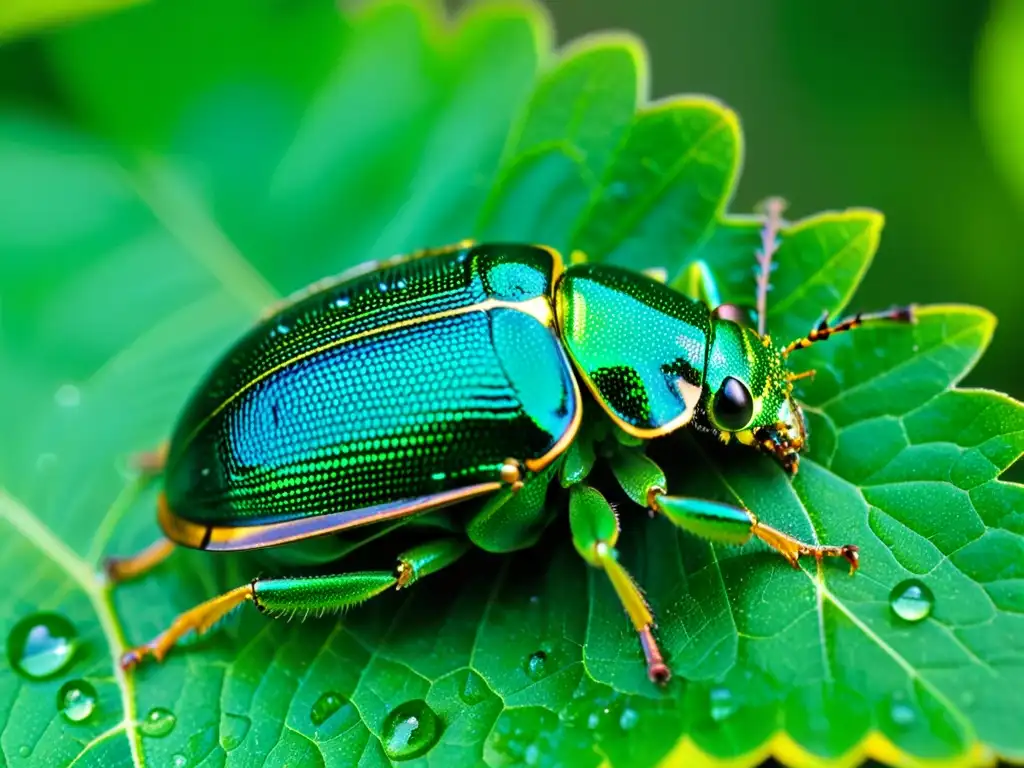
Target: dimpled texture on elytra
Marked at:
415, 379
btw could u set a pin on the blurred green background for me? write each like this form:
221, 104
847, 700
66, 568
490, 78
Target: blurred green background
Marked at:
873, 103
879, 104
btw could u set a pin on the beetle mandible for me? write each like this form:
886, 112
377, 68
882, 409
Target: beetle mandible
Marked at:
454, 374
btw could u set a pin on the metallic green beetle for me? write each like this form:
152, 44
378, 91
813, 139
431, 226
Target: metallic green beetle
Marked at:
453, 374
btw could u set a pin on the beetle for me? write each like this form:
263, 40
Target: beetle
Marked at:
458, 374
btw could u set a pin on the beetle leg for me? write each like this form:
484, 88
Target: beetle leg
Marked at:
307, 594
729, 524
697, 282
120, 569
151, 463
644, 482
595, 529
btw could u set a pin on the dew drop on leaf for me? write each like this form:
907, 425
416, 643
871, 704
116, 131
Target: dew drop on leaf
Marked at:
233, 730
328, 703
410, 729
522, 736
628, 719
473, 689
76, 700
68, 396
24, 750
902, 714
911, 600
158, 722
723, 706
179, 761
536, 665
41, 645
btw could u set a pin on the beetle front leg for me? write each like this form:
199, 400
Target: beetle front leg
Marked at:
644, 482
697, 282
595, 530
306, 594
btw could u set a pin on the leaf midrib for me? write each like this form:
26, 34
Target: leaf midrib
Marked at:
66, 560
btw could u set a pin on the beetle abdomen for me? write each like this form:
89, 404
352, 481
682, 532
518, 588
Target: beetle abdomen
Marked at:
417, 404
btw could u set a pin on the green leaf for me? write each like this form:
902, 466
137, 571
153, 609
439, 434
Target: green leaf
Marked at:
133, 255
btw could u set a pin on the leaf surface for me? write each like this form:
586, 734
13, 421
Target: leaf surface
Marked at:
134, 255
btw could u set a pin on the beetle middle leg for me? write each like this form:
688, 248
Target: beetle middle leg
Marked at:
644, 482
595, 530
305, 595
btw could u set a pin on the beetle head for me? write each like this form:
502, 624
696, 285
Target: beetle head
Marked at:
748, 394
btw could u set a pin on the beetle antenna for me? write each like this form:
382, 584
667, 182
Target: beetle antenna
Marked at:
823, 330
773, 208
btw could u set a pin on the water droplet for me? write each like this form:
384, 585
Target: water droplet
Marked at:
902, 714
41, 645
46, 462
233, 730
325, 706
24, 750
158, 722
76, 700
410, 730
532, 755
911, 600
723, 706
67, 396
536, 665
179, 761
593, 720
473, 689
628, 719
618, 190
523, 735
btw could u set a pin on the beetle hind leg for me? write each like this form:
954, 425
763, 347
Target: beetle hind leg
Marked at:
120, 569
306, 595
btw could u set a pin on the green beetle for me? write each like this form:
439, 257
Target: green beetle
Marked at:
454, 374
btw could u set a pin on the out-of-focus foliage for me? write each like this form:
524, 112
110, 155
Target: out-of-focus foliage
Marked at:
273, 143
18, 17
1001, 90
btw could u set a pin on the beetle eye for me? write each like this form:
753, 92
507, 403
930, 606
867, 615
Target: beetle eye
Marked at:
733, 406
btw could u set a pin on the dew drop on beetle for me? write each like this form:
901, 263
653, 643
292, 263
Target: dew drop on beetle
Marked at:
911, 600
158, 722
410, 729
76, 700
41, 645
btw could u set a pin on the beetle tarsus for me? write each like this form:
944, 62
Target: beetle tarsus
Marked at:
657, 669
792, 548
